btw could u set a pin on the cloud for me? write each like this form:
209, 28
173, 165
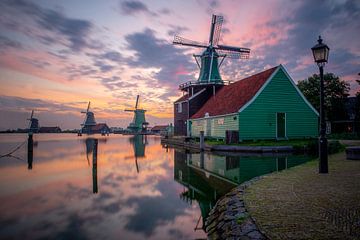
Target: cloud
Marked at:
152, 212
115, 83
176, 30
134, 7
6, 42
153, 52
75, 31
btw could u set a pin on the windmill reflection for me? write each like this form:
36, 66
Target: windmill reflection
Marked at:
207, 177
138, 142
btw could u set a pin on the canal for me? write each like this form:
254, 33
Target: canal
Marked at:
116, 187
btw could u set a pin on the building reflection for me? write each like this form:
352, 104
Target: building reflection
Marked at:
207, 177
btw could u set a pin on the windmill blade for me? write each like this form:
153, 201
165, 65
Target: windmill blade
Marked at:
137, 101
87, 110
233, 52
233, 49
234, 55
218, 21
32, 114
186, 42
129, 110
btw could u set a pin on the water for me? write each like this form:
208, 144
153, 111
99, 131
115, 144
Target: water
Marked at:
125, 188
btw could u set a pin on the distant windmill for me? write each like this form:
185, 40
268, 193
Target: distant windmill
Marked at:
33, 123
209, 65
138, 124
89, 120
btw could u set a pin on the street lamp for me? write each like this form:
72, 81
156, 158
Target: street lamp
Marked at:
321, 54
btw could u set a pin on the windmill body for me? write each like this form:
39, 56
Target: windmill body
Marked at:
89, 121
196, 93
138, 124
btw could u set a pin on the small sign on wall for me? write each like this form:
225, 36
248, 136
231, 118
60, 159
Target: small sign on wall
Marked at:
221, 121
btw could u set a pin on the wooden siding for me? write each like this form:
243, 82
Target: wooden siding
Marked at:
180, 118
218, 125
258, 120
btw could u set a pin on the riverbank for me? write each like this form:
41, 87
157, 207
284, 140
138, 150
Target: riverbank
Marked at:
300, 203
189, 143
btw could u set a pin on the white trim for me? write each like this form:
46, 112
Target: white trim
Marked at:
181, 102
269, 80
216, 116
197, 94
298, 90
260, 90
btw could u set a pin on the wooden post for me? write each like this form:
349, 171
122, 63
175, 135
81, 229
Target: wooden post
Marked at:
202, 141
202, 160
94, 170
30, 150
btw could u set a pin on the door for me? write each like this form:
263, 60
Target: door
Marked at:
280, 125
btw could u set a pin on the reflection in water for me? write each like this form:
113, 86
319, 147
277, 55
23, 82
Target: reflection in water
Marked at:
92, 147
61, 199
138, 142
207, 177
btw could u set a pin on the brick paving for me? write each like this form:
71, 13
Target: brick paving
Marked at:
300, 203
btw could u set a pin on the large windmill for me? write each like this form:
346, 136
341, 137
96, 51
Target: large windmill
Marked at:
89, 120
33, 123
209, 59
138, 124
196, 93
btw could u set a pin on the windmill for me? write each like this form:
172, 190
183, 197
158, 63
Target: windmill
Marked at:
89, 120
138, 124
209, 59
33, 123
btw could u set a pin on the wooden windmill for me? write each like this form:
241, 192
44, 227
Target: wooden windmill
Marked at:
33, 123
196, 93
89, 120
138, 124
209, 59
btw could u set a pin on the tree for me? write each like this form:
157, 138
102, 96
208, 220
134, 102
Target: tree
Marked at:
336, 91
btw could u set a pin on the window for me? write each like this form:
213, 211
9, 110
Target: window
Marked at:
179, 107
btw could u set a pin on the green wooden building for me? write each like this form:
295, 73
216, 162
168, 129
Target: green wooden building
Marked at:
267, 105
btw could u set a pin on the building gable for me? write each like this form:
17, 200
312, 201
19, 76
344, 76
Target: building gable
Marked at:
279, 95
280, 70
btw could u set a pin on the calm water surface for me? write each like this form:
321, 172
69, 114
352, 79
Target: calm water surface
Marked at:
125, 188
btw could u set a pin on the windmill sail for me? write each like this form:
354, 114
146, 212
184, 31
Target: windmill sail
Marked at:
209, 64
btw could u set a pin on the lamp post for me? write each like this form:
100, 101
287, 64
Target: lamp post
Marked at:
321, 54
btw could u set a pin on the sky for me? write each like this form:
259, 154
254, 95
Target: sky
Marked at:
55, 56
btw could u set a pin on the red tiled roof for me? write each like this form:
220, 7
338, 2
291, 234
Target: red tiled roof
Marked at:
231, 98
183, 98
